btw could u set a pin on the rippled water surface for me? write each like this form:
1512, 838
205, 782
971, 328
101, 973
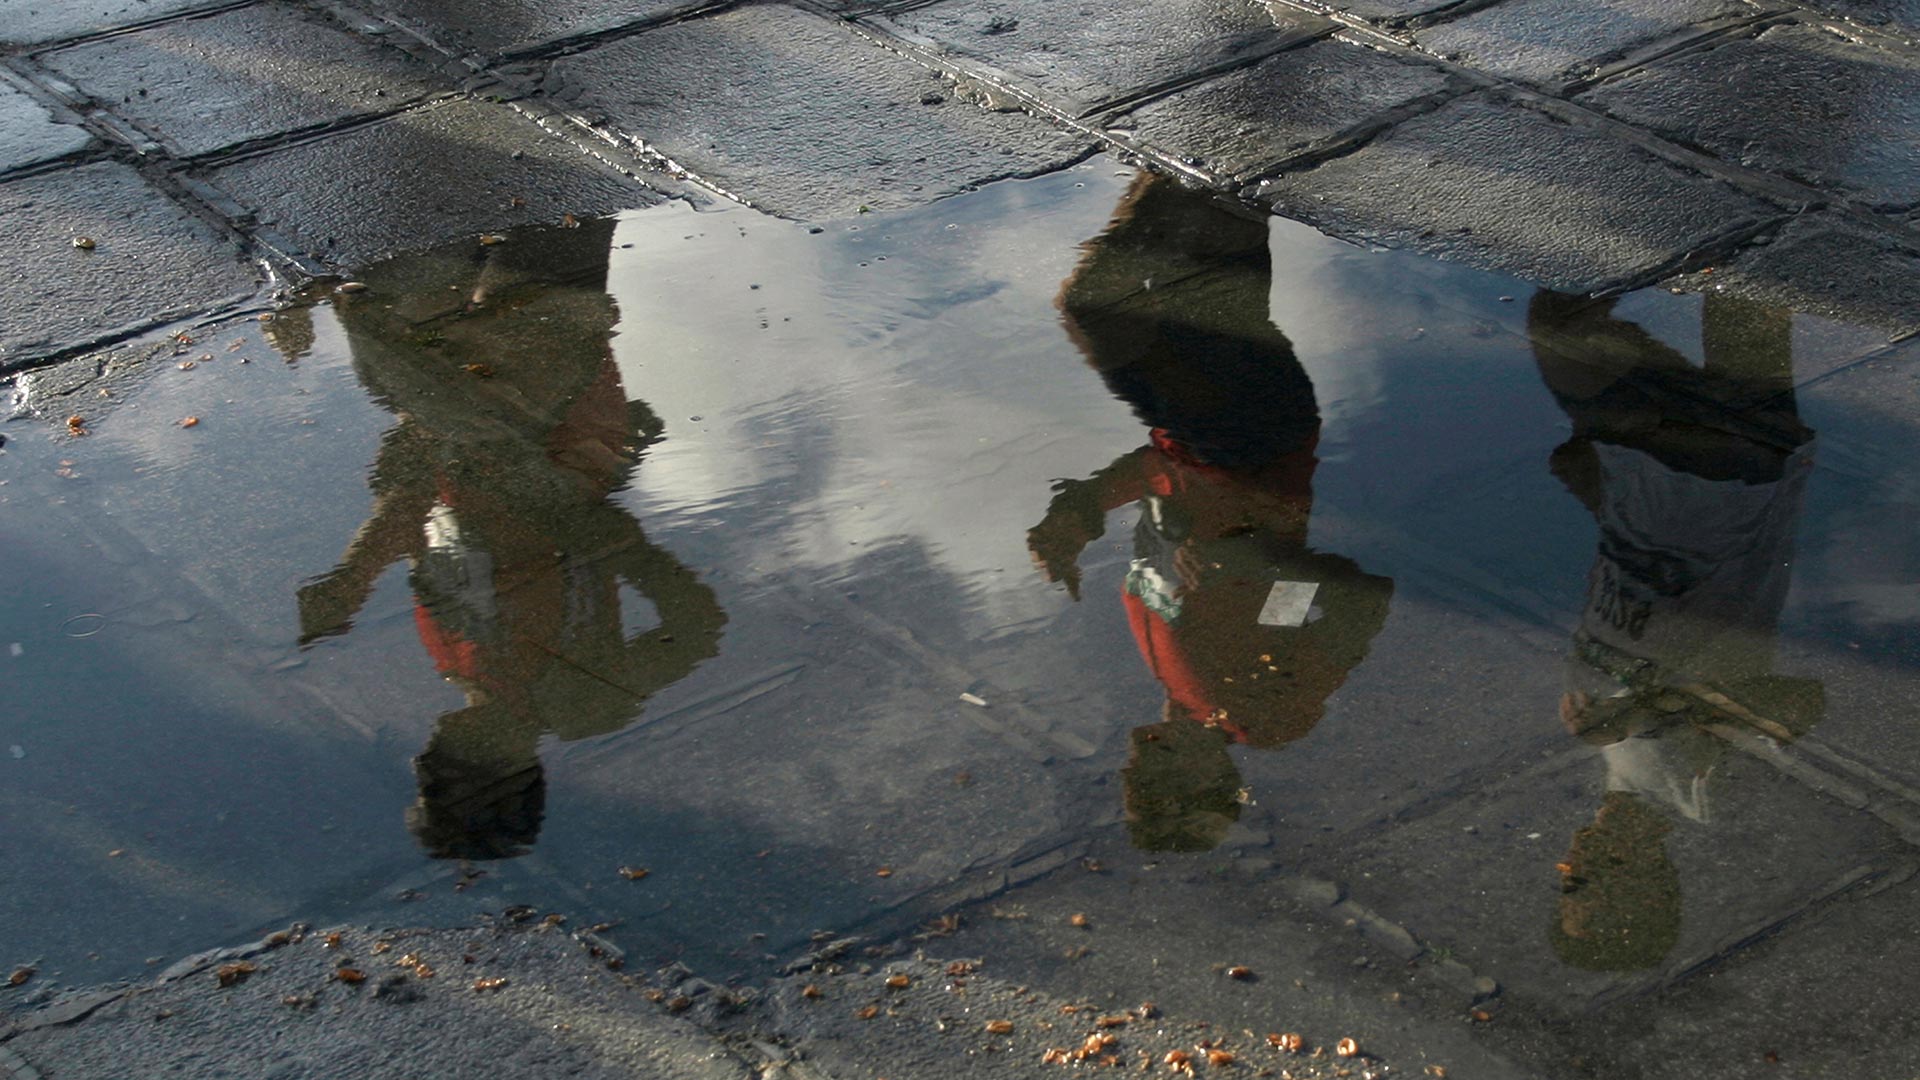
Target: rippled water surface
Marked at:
839, 575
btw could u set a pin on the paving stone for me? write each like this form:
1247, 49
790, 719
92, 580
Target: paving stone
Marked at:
26, 22
29, 134
1830, 997
1388, 11
1083, 52
1550, 41
152, 259
1253, 117
202, 84
1797, 100
1898, 15
801, 117
498, 26
1501, 186
423, 177
1828, 265
1665, 890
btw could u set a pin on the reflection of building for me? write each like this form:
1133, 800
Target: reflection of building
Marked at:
513, 430
1248, 628
1695, 477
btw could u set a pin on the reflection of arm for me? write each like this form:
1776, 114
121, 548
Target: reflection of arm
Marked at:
329, 603
1077, 516
690, 619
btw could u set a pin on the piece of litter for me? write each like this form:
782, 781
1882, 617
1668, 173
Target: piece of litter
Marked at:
17, 751
974, 699
1288, 603
16, 649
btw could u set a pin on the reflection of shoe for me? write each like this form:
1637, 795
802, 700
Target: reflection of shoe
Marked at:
467, 813
1619, 904
1182, 789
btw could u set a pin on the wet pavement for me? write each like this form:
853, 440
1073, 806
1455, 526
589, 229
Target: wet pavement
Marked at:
825, 494
1084, 546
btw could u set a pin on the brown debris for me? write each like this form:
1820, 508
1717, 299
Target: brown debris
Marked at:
233, 974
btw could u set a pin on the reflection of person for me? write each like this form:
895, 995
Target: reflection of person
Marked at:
513, 431
1248, 628
1695, 476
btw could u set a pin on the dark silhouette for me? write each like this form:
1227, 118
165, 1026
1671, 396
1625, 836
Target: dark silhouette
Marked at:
513, 431
1248, 628
1695, 477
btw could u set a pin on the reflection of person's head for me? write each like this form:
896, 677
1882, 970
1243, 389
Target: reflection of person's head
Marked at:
1169, 305
1182, 790
482, 789
1619, 904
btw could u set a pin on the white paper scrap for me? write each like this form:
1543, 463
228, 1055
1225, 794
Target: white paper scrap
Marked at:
1288, 603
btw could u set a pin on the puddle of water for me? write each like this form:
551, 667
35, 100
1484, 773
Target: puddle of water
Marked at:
839, 576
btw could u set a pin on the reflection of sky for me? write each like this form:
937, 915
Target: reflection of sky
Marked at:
884, 382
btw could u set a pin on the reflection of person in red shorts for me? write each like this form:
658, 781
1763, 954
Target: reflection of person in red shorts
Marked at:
1248, 628
1695, 476
513, 431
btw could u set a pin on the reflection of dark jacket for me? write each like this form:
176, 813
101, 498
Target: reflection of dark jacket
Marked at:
514, 430
1170, 306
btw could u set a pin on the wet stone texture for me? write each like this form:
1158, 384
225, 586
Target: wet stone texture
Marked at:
1550, 41
444, 171
1082, 54
29, 134
1512, 189
1895, 15
202, 84
1797, 100
1241, 122
1389, 11
1481, 875
55, 296
499, 26
799, 117
24, 22
1807, 997
1826, 264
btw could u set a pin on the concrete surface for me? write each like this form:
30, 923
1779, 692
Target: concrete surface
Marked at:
1246, 122
35, 21
29, 132
52, 292
1753, 99
799, 116
1482, 180
1132, 46
1545, 43
209, 83
816, 112
458, 168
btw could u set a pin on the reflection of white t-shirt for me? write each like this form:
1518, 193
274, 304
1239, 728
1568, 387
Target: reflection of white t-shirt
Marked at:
1691, 573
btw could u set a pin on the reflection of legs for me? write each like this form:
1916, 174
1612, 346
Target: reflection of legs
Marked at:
482, 792
1619, 893
1182, 789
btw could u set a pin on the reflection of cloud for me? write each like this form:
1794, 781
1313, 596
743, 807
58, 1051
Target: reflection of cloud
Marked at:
1334, 328
845, 399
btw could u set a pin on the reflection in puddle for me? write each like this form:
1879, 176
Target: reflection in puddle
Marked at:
1315, 566
513, 431
1695, 476
1247, 628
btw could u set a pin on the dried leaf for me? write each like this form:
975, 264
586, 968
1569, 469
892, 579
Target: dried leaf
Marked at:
233, 974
